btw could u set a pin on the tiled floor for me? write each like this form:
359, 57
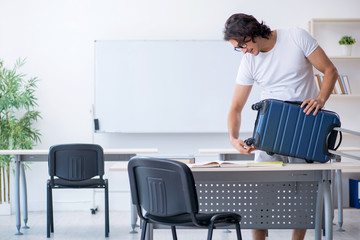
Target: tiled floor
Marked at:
83, 225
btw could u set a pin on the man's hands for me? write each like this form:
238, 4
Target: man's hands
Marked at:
241, 146
312, 104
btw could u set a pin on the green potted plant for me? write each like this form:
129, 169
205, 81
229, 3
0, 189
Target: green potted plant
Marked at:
346, 42
17, 114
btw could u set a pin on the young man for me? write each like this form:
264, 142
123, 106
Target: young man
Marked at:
281, 62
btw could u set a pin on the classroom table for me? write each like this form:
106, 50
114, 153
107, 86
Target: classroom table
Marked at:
290, 196
232, 154
41, 155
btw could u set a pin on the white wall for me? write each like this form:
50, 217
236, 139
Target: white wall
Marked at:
57, 37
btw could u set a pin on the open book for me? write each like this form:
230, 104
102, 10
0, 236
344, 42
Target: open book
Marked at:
236, 164
219, 164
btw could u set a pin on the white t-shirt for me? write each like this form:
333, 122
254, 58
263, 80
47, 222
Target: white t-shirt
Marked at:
284, 72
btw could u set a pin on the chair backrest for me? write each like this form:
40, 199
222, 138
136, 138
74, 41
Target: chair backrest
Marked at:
76, 161
162, 187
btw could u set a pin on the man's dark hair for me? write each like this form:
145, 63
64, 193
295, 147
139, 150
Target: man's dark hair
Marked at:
239, 26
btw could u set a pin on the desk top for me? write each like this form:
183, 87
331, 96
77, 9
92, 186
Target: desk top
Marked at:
234, 151
122, 166
114, 151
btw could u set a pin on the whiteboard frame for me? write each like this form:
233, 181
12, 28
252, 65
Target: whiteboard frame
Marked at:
158, 116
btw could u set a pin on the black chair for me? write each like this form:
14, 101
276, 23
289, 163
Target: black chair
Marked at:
76, 166
165, 190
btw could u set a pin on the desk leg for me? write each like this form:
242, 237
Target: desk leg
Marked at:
17, 194
339, 195
319, 211
328, 211
24, 193
149, 232
332, 192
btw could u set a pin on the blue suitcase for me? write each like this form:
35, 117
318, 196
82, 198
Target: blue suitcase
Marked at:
283, 128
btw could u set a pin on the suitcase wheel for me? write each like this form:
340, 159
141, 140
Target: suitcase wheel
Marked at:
309, 161
270, 153
249, 141
257, 106
93, 210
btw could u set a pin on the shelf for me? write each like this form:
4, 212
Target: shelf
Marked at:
344, 57
328, 32
349, 149
335, 20
314, 21
344, 96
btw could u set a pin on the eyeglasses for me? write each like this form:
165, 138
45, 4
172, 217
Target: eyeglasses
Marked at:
239, 48
242, 46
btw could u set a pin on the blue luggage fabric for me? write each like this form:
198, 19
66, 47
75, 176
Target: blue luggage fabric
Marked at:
283, 128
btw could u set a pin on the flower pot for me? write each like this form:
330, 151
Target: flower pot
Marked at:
346, 50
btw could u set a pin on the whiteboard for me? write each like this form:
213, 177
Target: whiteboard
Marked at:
166, 86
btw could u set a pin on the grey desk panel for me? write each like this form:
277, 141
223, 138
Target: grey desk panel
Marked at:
33, 158
255, 176
107, 157
118, 157
236, 156
287, 202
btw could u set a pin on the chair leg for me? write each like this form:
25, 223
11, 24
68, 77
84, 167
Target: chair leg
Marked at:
51, 212
173, 231
107, 227
47, 211
143, 232
238, 231
210, 231
49, 224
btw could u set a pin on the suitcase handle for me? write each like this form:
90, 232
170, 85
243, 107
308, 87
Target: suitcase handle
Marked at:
339, 129
294, 102
330, 143
337, 153
340, 140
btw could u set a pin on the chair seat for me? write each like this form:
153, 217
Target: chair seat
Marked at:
203, 219
89, 183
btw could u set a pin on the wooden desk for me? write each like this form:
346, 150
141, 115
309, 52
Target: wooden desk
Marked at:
292, 196
22, 156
